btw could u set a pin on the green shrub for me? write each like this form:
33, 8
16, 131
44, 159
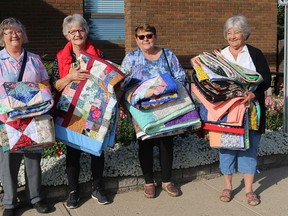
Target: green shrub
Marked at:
56, 150
125, 130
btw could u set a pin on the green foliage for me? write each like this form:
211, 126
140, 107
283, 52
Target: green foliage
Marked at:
48, 65
56, 150
125, 132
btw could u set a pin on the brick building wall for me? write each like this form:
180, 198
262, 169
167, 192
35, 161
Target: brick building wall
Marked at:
43, 21
187, 27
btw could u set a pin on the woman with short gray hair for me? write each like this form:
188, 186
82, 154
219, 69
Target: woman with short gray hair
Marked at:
74, 20
240, 23
12, 57
66, 69
236, 32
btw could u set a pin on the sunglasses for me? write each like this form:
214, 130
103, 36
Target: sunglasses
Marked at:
148, 36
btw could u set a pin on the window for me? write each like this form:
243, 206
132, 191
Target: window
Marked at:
105, 19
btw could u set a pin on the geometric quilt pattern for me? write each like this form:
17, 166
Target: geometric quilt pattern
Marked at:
24, 99
89, 107
27, 134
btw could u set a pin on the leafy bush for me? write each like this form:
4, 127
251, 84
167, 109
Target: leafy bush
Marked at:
48, 65
125, 131
56, 150
274, 112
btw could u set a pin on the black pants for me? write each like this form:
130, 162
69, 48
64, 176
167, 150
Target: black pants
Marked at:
165, 146
73, 168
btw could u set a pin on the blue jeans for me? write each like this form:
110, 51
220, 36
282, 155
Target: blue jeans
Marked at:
246, 161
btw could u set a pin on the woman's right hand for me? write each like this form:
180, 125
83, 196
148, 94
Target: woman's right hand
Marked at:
78, 74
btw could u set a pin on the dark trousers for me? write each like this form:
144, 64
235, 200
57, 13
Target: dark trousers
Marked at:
10, 165
73, 168
165, 145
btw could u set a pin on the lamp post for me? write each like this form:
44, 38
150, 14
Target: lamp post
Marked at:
285, 111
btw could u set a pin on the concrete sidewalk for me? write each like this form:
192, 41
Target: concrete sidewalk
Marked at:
199, 198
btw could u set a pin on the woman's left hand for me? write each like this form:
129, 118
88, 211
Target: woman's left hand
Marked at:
248, 98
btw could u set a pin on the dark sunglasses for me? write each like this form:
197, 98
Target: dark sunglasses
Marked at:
148, 36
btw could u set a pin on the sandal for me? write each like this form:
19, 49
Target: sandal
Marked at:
170, 189
252, 199
149, 190
226, 195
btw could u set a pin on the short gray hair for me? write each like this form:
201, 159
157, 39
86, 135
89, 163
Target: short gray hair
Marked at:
73, 20
10, 23
239, 22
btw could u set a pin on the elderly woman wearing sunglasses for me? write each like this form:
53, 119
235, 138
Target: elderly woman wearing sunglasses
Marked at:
144, 63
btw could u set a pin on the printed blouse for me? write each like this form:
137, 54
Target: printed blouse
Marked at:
142, 69
10, 68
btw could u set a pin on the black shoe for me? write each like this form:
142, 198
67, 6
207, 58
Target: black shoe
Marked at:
9, 212
41, 207
99, 196
73, 199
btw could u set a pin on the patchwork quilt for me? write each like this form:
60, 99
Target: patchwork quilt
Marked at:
217, 67
24, 99
230, 140
32, 134
153, 92
87, 111
25, 125
170, 116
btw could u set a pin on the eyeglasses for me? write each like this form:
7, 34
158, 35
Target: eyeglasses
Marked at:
148, 36
10, 33
80, 31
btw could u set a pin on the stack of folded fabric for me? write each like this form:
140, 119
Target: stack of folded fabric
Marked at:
25, 122
87, 111
221, 85
160, 107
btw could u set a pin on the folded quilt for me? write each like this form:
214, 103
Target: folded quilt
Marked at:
216, 111
218, 68
245, 76
228, 140
153, 92
86, 113
24, 99
218, 90
156, 120
222, 128
32, 134
143, 136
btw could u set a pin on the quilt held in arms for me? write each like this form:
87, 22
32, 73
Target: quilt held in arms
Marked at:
25, 125
169, 118
153, 92
86, 113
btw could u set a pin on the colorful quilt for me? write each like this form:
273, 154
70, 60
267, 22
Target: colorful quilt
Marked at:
25, 125
233, 141
87, 111
217, 67
24, 99
230, 112
32, 134
153, 92
218, 90
163, 119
